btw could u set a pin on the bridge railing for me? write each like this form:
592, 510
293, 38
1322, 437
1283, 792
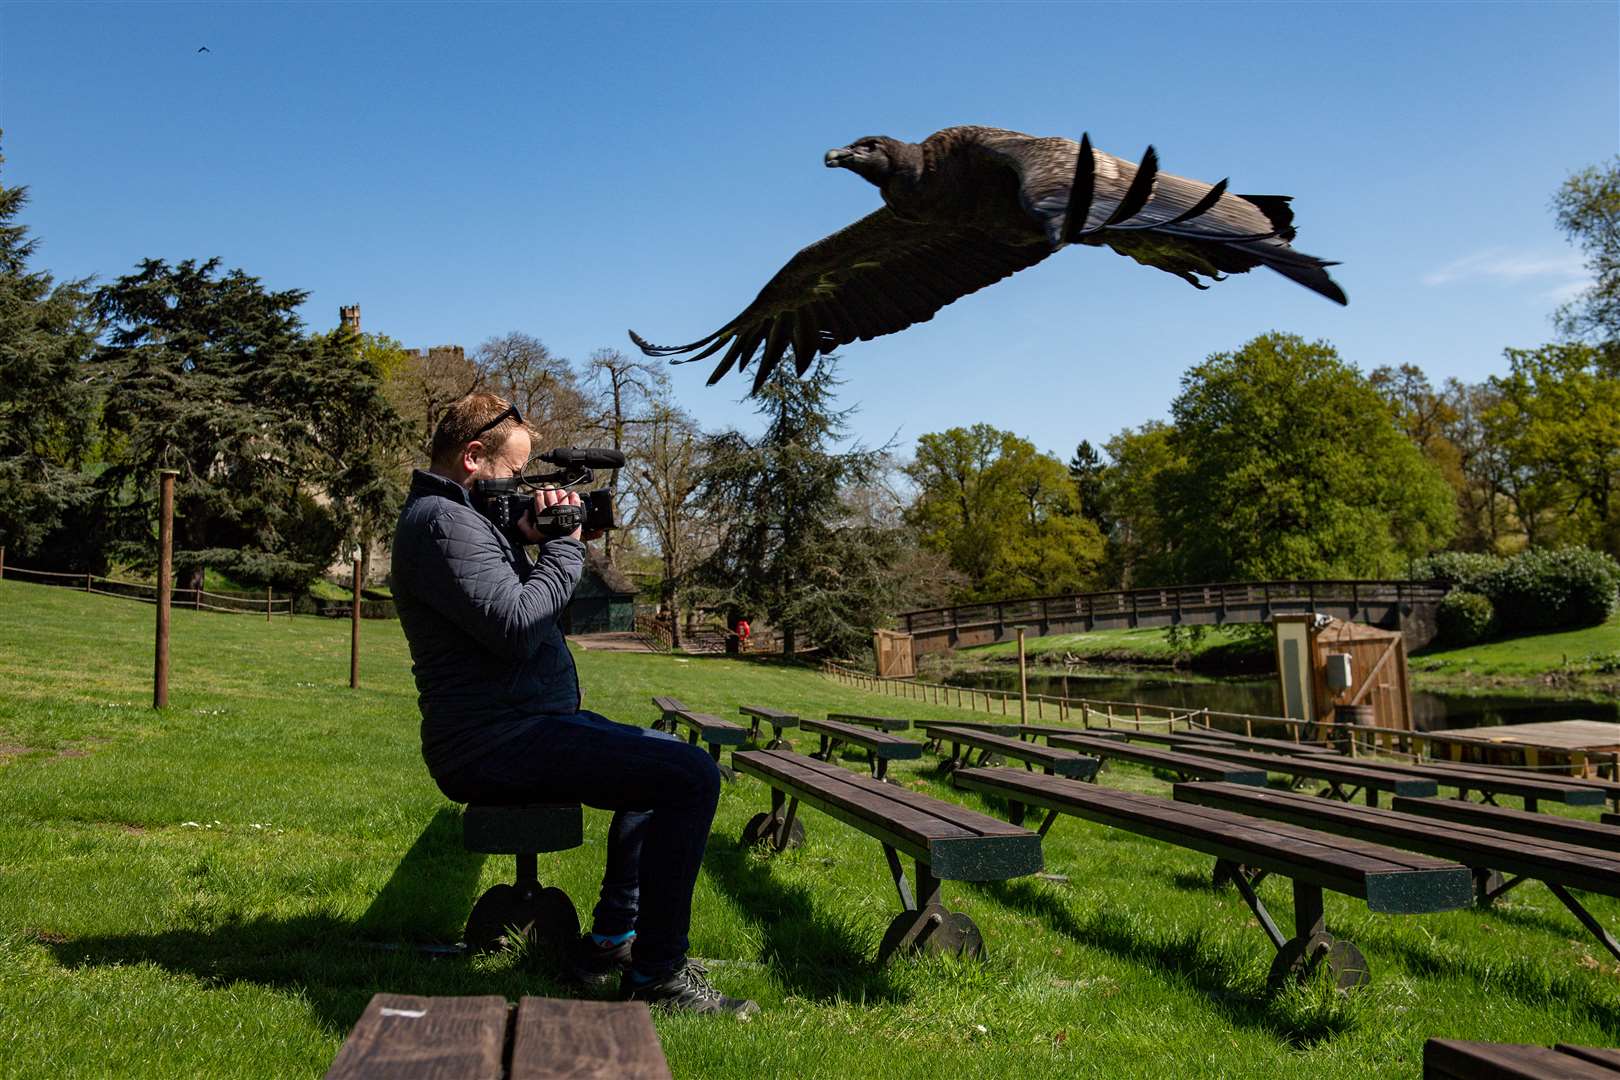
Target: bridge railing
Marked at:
1265, 595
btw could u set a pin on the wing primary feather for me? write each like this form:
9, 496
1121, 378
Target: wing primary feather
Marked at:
719, 344
1207, 200
1137, 195
1081, 191
775, 346
671, 350
804, 339
741, 350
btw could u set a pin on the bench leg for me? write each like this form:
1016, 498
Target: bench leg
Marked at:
543, 915
727, 773
1579, 911
926, 925
1312, 948
779, 828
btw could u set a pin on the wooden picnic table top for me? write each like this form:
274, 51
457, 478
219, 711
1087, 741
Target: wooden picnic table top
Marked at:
1389, 879
1184, 764
879, 742
1565, 789
1335, 771
882, 723
958, 843
409, 1037
1456, 1059
1473, 845
1062, 762
711, 728
1526, 822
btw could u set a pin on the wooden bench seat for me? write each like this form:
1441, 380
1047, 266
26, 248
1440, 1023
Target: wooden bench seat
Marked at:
780, 721
1255, 742
1050, 760
401, 1036
1188, 740
882, 723
1344, 778
1489, 853
1389, 880
1609, 819
1524, 822
1454, 1059
880, 748
1491, 782
544, 915
1186, 766
712, 731
946, 841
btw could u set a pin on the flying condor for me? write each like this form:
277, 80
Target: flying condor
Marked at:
969, 206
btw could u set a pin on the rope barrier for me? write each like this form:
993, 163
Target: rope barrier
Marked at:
184, 597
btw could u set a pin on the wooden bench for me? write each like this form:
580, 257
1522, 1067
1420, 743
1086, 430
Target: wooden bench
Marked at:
712, 731
1609, 819
1387, 879
1188, 740
1050, 760
544, 915
1523, 822
1491, 782
1344, 778
1454, 1059
402, 1036
880, 748
1255, 742
1489, 853
882, 723
1186, 766
948, 842
780, 721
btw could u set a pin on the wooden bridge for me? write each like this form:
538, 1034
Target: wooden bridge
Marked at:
1408, 606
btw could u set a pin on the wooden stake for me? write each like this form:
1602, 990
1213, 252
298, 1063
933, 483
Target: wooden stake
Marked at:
354, 632
160, 663
269, 599
1023, 681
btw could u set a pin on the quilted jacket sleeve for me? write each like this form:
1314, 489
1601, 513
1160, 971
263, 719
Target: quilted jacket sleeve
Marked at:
471, 579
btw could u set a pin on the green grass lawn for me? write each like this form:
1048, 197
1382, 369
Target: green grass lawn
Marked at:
1591, 649
199, 892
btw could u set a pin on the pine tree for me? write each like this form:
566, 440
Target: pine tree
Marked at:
47, 405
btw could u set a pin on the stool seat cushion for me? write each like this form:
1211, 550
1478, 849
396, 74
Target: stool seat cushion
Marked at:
522, 830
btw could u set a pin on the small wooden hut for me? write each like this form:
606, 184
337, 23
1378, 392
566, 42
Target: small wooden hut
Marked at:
1325, 665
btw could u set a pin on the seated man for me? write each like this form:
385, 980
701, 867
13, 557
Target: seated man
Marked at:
501, 721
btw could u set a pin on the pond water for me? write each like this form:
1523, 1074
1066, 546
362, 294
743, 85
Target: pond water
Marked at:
1430, 711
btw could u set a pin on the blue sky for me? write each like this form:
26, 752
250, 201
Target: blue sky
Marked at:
575, 170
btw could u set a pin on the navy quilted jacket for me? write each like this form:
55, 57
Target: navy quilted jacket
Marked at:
481, 620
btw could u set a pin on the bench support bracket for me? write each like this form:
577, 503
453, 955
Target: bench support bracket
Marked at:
1578, 909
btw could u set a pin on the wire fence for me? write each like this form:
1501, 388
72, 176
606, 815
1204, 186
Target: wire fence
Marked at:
1355, 740
197, 599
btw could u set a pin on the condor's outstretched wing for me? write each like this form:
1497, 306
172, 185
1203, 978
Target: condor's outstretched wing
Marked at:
877, 276
1081, 195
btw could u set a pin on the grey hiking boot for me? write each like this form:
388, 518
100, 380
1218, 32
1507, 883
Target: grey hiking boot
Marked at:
686, 988
595, 964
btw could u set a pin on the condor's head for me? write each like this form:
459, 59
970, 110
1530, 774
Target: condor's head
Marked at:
876, 158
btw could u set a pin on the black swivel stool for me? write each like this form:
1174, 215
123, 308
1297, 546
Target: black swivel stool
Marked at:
542, 914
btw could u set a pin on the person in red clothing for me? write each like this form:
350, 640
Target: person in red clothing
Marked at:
742, 633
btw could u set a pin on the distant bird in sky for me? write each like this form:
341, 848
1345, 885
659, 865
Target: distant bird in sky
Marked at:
969, 206
205, 49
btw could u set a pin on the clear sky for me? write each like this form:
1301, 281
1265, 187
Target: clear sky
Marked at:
571, 171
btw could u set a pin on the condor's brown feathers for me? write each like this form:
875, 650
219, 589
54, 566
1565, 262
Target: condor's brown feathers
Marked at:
969, 206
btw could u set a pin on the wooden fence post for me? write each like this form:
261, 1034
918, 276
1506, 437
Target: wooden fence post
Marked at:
1023, 681
354, 631
269, 602
2, 562
160, 661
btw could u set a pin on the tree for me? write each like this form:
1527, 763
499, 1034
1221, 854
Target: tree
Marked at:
1291, 466
211, 374
664, 476
1557, 423
785, 547
1086, 469
1588, 209
627, 391
543, 386
1007, 515
1141, 546
47, 403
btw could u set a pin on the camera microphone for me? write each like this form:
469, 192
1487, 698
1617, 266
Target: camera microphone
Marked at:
589, 457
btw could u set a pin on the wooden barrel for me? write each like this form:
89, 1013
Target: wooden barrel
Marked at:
1346, 718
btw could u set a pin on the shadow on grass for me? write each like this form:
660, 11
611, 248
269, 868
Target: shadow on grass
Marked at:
815, 956
1210, 972
327, 959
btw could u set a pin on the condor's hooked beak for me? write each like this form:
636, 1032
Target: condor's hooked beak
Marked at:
836, 159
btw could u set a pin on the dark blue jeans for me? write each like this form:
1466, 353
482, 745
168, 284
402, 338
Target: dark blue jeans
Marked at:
663, 794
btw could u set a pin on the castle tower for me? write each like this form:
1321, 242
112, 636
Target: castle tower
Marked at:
349, 315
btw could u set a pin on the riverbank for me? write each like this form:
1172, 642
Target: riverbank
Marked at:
1566, 663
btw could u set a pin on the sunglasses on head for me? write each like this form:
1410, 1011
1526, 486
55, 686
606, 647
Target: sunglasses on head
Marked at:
511, 413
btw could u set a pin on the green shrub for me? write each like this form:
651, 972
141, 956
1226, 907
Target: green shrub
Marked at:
1465, 570
1542, 589
1465, 618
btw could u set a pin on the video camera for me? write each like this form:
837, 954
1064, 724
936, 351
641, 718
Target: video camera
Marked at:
509, 501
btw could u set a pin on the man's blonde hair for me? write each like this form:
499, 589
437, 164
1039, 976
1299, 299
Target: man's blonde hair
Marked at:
460, 423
